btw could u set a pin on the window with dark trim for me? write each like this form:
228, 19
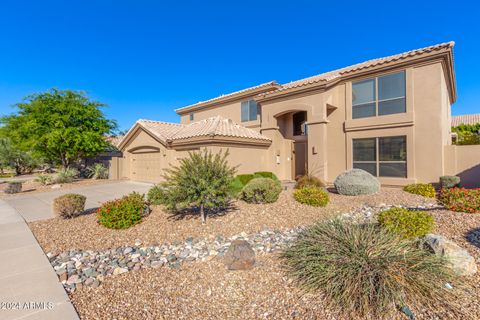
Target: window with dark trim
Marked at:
382, 157
191, 116
249, 110
379, 96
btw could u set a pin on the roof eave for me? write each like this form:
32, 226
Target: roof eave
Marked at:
228, 98
190, 142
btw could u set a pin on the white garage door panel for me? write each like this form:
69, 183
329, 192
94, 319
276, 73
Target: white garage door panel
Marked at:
147, 167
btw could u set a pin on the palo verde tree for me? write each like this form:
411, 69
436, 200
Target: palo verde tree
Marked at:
202, 179
59, 125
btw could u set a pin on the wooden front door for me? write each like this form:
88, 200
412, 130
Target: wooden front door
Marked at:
300, 154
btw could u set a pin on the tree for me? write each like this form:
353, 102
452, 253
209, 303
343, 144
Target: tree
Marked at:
59, 125
21, 161
202, 179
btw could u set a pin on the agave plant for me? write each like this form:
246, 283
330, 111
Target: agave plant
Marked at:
97, 171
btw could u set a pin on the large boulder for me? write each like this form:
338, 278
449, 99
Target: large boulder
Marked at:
461, 262
239, 256
356, 182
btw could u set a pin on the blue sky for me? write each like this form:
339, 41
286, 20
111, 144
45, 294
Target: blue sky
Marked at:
146, 58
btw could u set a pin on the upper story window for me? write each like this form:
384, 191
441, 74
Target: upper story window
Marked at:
191, 116
249, 110
379, 96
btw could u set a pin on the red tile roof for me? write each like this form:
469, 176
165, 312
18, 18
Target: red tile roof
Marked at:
466, 119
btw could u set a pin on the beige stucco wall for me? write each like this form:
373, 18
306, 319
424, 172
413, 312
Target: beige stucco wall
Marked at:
231, 110
464, 161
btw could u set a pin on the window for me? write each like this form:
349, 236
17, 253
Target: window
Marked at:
379, 96
191, 116
300, 124
382, 157
249, 110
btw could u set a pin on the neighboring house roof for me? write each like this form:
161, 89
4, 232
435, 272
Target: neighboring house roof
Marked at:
271, 89
199, 131
114, 140
471, 119
268, 86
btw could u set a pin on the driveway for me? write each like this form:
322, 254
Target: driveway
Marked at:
38, 206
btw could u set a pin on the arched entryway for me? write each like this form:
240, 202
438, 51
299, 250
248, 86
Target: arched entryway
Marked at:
293, 127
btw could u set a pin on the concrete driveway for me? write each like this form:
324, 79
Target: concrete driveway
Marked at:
38, 206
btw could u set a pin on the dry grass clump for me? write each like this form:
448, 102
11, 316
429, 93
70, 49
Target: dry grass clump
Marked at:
366, 271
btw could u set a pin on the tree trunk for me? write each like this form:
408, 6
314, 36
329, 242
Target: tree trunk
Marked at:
202, 214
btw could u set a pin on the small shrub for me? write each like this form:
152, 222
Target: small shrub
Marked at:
66, 175
366, 271
13, 187
406, 223
461, 199
44, 179
422, 189
261, 190
236, 187
244, 178
123, 213
97, 171
356, 182
311, 196
265, 174
309, 181
156, 195
69, 205
449, 181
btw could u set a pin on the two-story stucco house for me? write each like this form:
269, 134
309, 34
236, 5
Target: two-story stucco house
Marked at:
389, 116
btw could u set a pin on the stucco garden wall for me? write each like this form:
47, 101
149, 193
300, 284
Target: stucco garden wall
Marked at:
464, 161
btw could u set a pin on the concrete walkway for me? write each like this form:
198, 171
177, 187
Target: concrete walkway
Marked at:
29, 287
38, 206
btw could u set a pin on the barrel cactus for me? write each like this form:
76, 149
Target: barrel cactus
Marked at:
356, 182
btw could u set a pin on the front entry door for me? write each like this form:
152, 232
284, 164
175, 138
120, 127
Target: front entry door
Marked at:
300, 153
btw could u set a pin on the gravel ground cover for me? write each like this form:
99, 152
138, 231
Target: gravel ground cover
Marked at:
83, 233
31, 186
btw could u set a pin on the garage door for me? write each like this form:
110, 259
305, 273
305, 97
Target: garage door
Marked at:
146, 167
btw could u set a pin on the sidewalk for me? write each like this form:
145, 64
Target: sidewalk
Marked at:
27, 280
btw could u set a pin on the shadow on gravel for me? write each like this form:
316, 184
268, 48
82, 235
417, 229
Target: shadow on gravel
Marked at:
194, 213
473, 236
88, 212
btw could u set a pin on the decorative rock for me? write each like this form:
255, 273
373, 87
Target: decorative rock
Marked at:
461, 261
240, 256
127, 250
74, 279
118, 271
56, 186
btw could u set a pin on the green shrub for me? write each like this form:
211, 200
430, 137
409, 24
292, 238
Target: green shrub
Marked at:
309, 181
69, 205
44, 179
461, 199
97, 171
261, 190
66, 176
156, 195
366, 271
265, 174
422, 189
311, 196
406, 223
123, 213
449, 181
236, 187
201, 180
13, 187
244, 178
356, 182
